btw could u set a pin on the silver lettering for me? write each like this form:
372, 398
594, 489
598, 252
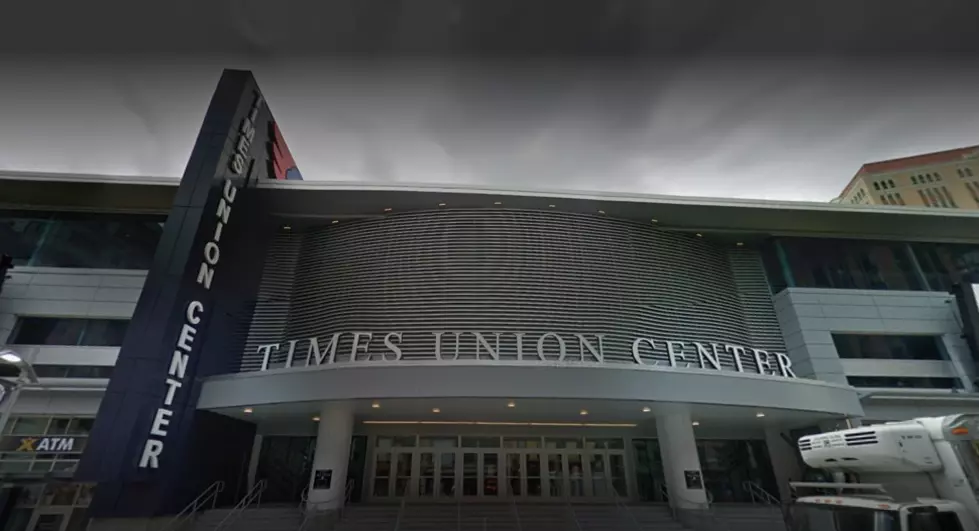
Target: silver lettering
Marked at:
562, 349
584, 344
292, 352
391, 346
186, 340
266, 352
762, 361
785, 365
438, 345
178, 364
224, 210
519, 336
736, 352
212, 253
331, 348
65, 444
355, 347
674, 354
160, 421
230, 191
637, 344
193, 312
481, 342
707, 357
205, 275
151, 454
172, 386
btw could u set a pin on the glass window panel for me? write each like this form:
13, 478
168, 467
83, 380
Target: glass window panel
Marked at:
490, 472
481, 442
58, 426
21, 233
470, 465
576, 475
99, 241
381, 486
838, 263
384, 442
904, 382
383, 466
58, 331
30, 426
447, 481
80, 426
470, 486
404, 465
41, 466
104, 332
946, 264
438, 442
59, 494
521, 442
426, 465
866, 346
85, 493
405, 442
555, 472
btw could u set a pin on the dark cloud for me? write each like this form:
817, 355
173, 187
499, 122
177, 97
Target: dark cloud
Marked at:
748, 99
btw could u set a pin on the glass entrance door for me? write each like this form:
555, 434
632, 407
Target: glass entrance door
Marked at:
480, 474
437, 474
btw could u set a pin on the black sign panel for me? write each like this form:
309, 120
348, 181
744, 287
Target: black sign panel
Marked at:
190, 317
694, 480
322, 479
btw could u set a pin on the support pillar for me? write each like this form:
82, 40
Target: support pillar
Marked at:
680, 459
785, 462
332, 453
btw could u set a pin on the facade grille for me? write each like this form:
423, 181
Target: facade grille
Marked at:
507, 271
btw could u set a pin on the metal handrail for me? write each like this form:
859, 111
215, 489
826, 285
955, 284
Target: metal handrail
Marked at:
574, 515
210, 494
397, 523
253, 495
304, 497
620, 503
708, 509
516, 513
757, 493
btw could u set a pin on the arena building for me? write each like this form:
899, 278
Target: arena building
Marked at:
332, 344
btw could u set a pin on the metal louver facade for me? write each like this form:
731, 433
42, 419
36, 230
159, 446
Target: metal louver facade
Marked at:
510, 271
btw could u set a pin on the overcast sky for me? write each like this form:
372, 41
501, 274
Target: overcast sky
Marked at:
765, 99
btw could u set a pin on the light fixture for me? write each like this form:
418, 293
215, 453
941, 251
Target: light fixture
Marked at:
695, 423
740, 244
335, 221
388, 209
316, 419
247, 410
485, 423
601, 211
436, 410
511, 404
759, 415
286, 227
441, 204
498, 202
10, 357
551, 206
375, 405
699, 235
647, 409
583, 412
654, 220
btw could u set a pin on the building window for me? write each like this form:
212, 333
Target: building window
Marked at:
928, 176
974, 192
71, 332
935, 198
846, 264
73, 371
946, 264
876, 186
924, 200
900, 200
63, 239
890, 183
938, 177
948, 196
866, 346
968, 172
914, 180
42, 462
883, 199
912, 382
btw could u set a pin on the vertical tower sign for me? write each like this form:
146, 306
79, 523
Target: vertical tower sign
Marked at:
150, 450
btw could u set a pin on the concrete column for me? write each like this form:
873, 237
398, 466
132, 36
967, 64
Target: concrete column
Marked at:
253, 463
333, 435
679, 449
785, 462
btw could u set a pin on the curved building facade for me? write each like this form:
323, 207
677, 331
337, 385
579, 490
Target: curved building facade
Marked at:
340, 343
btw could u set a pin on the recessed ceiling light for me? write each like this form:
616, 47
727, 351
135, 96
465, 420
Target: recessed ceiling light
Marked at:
498, 202
551, 206
583, 412
441, 204
316, 419
695, 423
759, 415
375, 405
740, 244
699, 235
286, 227
436, 410
646, 409
601, 211
335, 221
388, 209
511, 404
655, 220
247, 410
